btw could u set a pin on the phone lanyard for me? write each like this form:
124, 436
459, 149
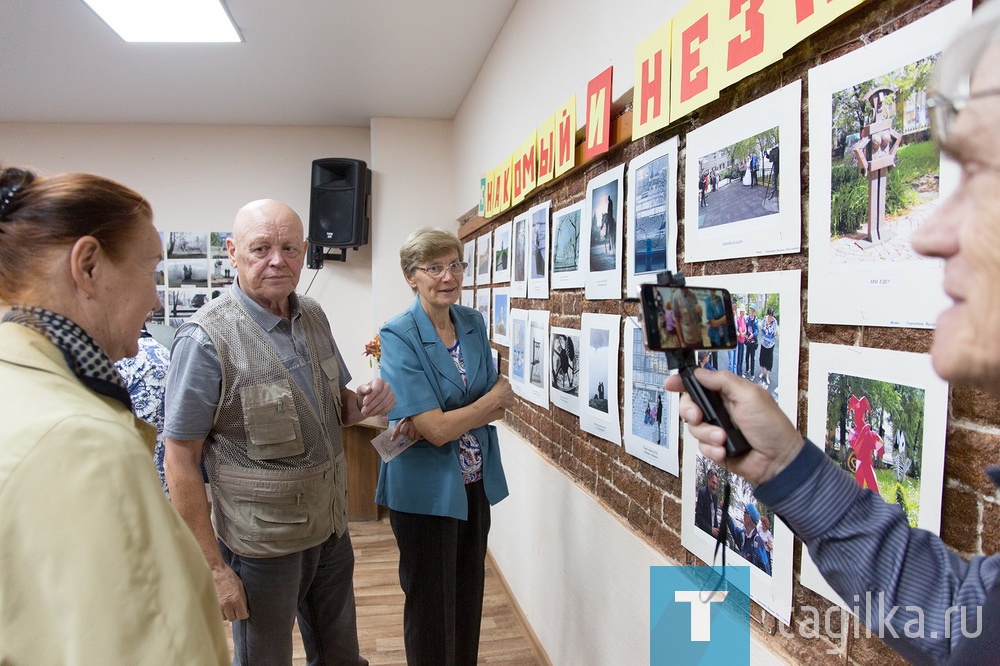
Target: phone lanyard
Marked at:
720, 541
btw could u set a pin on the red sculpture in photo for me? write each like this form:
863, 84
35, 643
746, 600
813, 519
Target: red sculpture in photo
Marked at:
865, 443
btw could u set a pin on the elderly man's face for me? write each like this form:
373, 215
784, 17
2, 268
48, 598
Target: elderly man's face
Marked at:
965, 232
268, 250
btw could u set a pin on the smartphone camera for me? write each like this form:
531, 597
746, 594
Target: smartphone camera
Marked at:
687, 318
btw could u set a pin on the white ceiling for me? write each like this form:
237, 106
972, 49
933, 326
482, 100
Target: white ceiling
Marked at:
302, 62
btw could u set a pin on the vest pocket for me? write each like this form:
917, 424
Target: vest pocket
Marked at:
271, 421
332, 371
264, 506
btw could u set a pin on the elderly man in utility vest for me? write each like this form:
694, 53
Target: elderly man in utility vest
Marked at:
257, 383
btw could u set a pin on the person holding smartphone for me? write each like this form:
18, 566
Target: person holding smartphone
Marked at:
899, 577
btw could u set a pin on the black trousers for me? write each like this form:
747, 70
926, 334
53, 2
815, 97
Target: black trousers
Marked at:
442, 565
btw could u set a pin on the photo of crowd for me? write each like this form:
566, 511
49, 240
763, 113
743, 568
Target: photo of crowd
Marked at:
748, 523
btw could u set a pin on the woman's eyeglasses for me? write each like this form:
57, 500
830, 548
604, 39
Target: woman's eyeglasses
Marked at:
437, 270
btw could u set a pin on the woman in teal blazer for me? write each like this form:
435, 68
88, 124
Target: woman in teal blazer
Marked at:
436, 356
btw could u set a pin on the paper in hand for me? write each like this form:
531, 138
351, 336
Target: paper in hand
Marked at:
389, 450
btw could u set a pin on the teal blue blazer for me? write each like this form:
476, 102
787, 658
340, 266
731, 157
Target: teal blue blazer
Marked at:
427, 479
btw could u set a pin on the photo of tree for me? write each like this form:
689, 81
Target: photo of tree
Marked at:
187, 245
566, 240
567, 243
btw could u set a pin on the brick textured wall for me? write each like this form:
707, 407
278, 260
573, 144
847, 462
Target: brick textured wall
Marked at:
649, 498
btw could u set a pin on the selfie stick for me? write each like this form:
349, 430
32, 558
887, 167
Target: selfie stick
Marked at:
710, 402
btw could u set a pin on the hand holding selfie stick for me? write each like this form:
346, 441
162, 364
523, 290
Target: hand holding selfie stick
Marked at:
712, 409
710, 402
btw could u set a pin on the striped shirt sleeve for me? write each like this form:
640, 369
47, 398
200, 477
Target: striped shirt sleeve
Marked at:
904, 583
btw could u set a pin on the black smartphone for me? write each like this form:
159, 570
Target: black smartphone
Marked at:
687, 318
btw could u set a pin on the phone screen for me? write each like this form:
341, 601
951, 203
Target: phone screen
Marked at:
687, 318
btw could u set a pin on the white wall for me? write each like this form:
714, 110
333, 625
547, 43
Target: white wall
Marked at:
198, 176
412, 177
547, 51
579, 574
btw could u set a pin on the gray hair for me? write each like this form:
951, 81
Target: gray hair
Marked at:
427, 243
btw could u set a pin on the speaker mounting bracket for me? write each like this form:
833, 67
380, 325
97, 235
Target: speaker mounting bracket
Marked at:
317, 254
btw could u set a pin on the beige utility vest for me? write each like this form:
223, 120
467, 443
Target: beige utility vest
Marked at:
276, 467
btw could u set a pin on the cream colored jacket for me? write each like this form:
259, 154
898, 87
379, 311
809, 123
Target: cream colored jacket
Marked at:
96, 567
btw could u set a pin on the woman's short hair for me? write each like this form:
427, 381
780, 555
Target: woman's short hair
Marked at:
427, 243
38, 215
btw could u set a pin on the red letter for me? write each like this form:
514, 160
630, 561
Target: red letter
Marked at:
741, 50
598, 115
518, 179
528, 167
567, 139
690, 59
497, 196
803, 10
545, 165
650, 89
505, 192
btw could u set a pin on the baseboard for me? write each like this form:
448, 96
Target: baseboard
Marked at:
539, 649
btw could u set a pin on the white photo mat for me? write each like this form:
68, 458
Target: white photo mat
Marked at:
483, 305
601, 250
501, 253
519, 340
897, 368
567, 268
774, 592
651, 424
501, 316
600, 341
564, 378
652, 215
520, 232
536, 388
538, 250
890, 286
762, 227
484, 259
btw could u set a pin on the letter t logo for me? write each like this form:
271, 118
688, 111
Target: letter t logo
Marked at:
701, 611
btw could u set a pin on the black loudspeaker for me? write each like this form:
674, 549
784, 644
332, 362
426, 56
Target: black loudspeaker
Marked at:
340, 203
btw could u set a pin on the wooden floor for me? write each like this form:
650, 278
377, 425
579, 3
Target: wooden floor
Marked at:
504, 639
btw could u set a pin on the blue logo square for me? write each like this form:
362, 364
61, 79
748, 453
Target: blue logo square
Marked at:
696, 616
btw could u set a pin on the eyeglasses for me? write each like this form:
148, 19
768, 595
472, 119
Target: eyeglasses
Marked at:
437, 270
944, 110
